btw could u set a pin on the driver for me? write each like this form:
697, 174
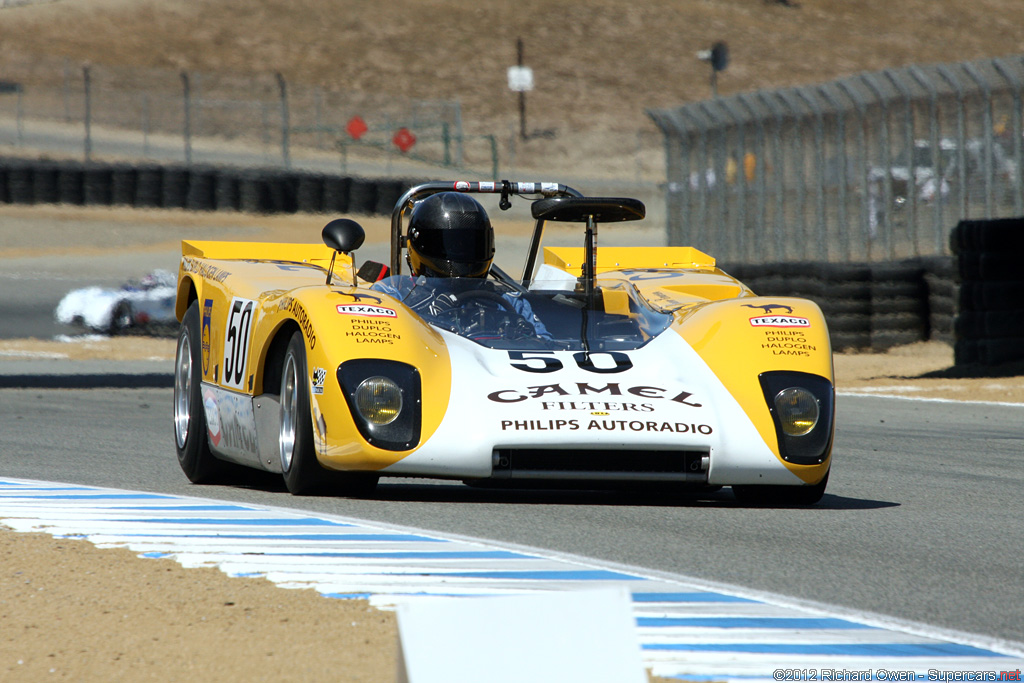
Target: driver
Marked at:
450, 236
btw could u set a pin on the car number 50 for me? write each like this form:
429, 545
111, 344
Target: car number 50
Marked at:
546, 361
236, 342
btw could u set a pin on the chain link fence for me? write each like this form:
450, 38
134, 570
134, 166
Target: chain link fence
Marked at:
207, 117
876, 167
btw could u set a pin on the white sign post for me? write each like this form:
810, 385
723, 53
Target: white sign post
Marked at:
520, 80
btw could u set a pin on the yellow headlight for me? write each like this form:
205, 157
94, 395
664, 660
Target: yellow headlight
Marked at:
379, 400
797, 409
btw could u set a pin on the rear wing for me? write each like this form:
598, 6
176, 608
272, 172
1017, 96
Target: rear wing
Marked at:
570, 259
259, 251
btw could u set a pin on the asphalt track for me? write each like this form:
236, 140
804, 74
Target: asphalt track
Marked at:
922, 520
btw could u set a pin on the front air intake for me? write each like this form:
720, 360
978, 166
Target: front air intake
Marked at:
594, 465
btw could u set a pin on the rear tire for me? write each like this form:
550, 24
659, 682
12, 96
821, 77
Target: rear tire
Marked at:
303, 473
781, 496
190, 431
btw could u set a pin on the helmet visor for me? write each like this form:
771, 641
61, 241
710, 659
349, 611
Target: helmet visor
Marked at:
455, 244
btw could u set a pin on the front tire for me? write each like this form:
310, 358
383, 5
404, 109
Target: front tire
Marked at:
190, 432
303, 473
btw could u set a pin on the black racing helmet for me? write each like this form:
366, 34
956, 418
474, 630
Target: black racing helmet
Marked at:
450, 235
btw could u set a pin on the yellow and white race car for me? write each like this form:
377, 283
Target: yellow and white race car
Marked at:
618, 367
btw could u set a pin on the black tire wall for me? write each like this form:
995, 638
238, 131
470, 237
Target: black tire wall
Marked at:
989, 322
195, 188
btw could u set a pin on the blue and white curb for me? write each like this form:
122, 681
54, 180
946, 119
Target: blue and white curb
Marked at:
687, 628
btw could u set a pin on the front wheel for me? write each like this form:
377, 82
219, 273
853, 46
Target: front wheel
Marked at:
781, 496
302, 473
194, 455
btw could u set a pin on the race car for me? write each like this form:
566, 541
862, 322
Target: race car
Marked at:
609, 368
139, 306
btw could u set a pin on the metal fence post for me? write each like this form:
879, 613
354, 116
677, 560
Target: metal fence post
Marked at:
318, 116
456, 106
66, 90
934, 138
741, 180
778, 154
961, 136
720, 187
759, 168
842, 227
789, 100
908, 144
286, 156
885, 160
145, 125
187, 128
819, 162
87, 81
867, 208
988, 125
1016, 134
702, 181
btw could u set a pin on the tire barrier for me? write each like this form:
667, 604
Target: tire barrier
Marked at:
45, 189
149, 192
71, 184
123, 179
362, 196
989, 323
97, 185
336, 195
201, 192
194, 188
226, 193
19, 182
174, 186
868, 307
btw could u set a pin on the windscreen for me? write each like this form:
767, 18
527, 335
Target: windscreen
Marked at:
550, 315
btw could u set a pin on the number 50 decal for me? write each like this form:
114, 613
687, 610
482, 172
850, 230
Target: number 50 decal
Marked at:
545, 361
236, 342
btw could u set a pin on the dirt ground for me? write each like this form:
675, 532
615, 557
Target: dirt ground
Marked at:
65, 614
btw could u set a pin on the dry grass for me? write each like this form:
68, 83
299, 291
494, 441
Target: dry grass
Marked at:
597, 63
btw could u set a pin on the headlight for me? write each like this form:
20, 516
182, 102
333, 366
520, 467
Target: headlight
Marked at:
385, 399
798, 410
378, 400
802, 407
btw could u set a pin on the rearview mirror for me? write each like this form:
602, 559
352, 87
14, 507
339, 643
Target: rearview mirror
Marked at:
343, 234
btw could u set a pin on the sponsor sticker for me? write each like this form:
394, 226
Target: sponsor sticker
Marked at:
779, 321
230, 421
207, 331
212, 417
461, 186
319, 375
606, 426
366, 311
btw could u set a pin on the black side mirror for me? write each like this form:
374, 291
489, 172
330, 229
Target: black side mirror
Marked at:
344, 235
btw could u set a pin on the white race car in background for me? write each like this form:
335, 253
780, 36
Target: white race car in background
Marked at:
143, 306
